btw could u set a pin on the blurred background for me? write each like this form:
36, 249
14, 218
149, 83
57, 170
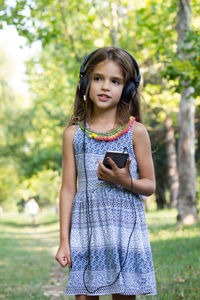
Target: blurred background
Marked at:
42, 45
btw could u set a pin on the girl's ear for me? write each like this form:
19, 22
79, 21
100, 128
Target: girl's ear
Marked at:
83, 83
129, 91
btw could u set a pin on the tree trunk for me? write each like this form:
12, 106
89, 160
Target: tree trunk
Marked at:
172, 164
187, 208
114, 24
160, 196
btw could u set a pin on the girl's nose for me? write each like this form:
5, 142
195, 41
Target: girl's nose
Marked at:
105, 85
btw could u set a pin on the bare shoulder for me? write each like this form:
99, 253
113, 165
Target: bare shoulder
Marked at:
69, 133
140, 132
139, 128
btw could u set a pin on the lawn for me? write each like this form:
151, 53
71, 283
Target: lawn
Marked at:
28, 270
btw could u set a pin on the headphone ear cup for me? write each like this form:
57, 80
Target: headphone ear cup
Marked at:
83, 83
129, 91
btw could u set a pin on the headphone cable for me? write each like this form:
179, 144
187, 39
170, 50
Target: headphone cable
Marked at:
90, 224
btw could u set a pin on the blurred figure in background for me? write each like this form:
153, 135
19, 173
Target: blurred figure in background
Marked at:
32, 208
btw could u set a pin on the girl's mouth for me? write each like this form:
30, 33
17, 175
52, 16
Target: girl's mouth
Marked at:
103, 97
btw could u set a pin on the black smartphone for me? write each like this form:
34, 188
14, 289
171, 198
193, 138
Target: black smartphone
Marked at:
119, 158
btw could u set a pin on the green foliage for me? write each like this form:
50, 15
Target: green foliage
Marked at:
44, 186
67, 32
27, 146
11, 135
9, 181
186, 65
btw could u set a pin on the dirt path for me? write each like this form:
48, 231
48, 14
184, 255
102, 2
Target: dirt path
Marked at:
56, 287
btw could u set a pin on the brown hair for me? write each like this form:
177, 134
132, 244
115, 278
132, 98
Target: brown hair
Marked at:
124, 109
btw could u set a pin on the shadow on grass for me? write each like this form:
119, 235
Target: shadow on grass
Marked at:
56, 231
176, 267
172, 228
26, 264
20, 225
175, 261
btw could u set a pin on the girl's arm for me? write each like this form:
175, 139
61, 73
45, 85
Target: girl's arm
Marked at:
67, 193
146, 184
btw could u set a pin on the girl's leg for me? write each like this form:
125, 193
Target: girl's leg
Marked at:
85, 297
123, 297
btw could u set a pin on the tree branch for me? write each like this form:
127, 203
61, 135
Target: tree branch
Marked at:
67, 34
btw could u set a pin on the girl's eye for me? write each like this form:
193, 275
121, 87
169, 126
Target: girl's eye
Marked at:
97, 78
116, 82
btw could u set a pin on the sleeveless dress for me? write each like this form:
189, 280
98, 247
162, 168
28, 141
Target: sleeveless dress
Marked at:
109, 241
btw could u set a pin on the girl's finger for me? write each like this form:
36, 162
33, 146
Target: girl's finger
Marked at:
101, 165
112, 163
103, 169
128, 163
69, 262
62, 260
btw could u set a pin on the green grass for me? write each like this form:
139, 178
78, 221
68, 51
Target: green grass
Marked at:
27, 257
176, 257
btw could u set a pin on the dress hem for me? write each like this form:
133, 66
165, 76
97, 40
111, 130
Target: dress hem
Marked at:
124, 292
112, 293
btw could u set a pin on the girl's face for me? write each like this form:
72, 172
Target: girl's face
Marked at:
107, 83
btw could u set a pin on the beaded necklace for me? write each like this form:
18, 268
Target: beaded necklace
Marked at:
113, 134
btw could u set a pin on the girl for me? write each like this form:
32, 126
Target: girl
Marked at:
103, 233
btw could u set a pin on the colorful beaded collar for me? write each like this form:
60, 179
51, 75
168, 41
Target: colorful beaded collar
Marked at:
112, 135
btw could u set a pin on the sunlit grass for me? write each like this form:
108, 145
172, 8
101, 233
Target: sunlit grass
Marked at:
176, 256
27, 257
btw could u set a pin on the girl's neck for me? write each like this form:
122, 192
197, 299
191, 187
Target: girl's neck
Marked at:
103, 122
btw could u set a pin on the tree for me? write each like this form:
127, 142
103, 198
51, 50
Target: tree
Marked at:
11, 141
187, 209
68, 31
172, 161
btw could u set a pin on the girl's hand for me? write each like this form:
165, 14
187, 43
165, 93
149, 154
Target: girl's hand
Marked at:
63, 256
114, 175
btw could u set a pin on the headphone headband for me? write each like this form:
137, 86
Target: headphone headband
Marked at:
82, 69
132, 85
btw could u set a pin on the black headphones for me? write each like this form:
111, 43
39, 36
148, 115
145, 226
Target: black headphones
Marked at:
129, 89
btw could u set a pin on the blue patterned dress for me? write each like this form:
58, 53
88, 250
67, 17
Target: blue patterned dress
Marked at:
99, 240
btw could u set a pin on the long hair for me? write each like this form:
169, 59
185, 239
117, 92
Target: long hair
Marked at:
124, 109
